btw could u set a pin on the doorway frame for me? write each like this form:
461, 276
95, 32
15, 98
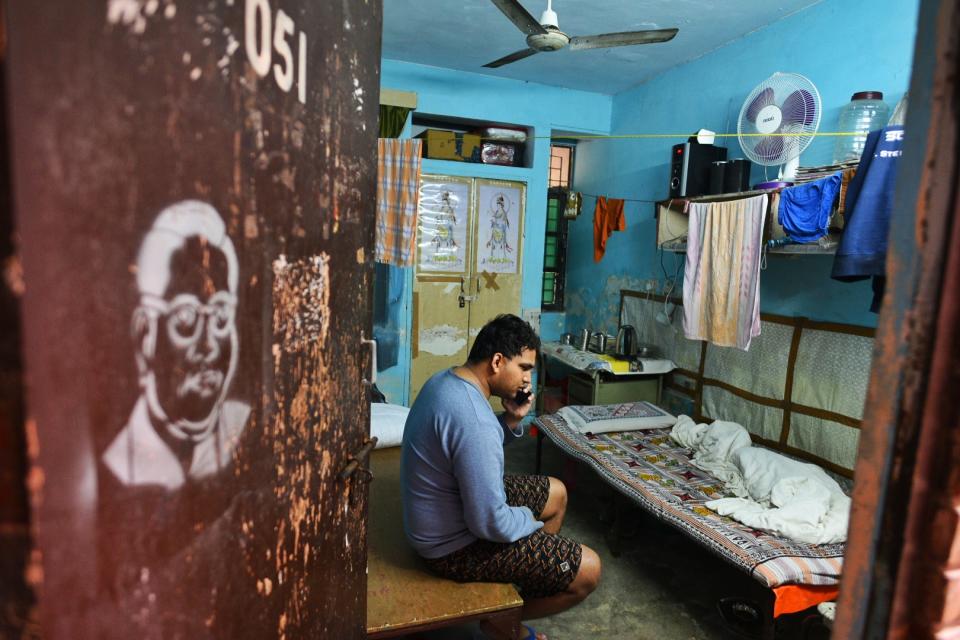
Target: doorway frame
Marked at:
896, 571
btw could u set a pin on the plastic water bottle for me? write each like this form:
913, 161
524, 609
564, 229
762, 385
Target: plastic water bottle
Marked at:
865, 113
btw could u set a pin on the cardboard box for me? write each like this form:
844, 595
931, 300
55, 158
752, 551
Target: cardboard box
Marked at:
450, 145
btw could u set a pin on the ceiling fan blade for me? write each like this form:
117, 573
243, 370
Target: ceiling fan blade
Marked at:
649, 36
519, 16
513, 57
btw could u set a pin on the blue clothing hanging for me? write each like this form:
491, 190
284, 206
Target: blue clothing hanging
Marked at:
388, 285
804, 211
863, 248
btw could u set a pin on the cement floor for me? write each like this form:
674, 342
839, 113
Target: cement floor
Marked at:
661, 587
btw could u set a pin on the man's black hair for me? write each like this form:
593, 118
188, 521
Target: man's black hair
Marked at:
506, 334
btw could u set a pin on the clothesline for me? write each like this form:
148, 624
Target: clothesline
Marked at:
635, 136
593, 195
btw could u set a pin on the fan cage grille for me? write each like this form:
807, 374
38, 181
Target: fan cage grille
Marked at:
798, 103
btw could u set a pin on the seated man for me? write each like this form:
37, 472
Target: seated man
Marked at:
460, 513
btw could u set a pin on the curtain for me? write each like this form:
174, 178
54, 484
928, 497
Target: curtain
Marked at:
392, 120
398, 183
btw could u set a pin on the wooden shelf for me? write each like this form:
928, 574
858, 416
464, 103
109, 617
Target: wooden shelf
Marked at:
421, 122
718, 197
475, 170
672, 223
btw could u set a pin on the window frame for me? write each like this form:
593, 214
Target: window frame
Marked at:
558, 238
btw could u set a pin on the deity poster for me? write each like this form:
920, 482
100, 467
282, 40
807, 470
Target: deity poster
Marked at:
499, 221
442, 223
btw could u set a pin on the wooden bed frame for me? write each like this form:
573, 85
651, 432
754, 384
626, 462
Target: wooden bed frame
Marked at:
402, 596
689, 384
690, 389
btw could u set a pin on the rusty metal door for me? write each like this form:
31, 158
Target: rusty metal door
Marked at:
194, 196
901, 569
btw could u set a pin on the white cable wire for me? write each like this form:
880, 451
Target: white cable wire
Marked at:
666, 223
669, 291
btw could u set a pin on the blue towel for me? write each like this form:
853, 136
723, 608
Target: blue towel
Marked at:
805, 209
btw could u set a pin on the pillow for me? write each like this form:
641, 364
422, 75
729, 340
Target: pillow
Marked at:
627, 416
386, 423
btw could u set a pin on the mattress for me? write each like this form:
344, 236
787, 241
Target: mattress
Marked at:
655, 472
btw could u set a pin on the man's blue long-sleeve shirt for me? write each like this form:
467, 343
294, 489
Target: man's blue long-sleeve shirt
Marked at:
452, 471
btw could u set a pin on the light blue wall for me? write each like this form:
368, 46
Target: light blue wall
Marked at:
547, 109
841, 45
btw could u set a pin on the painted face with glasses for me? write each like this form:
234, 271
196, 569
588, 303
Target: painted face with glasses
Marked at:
190, 347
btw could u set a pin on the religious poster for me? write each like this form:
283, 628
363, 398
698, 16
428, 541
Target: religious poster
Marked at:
442, 223
499, 218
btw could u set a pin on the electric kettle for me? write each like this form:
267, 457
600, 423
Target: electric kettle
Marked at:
626, 342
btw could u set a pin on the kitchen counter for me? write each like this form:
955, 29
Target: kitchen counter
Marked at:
602, 379
593, 363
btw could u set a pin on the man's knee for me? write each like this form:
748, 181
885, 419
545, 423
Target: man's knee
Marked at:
588, 576
558, 495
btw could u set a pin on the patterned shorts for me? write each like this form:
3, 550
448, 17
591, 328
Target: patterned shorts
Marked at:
541, 564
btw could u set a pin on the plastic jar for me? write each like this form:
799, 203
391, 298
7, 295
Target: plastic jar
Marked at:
866, 112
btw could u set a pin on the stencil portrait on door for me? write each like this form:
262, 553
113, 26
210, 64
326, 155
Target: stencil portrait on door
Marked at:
176, 494
186, 348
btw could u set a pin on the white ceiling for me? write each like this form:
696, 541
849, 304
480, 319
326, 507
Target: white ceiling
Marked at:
466, 34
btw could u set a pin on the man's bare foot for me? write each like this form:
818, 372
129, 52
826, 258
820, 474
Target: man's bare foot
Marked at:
498, 632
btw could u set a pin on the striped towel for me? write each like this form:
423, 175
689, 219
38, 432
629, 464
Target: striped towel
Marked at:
398, 182
721, 278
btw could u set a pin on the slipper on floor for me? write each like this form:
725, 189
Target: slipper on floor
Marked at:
531, 632
742, 616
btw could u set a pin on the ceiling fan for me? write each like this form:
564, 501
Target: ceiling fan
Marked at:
545, 35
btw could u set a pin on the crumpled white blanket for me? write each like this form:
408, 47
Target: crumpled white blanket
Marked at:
713, 448
787, 498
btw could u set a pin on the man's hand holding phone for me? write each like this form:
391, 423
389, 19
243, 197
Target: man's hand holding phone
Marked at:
518, 406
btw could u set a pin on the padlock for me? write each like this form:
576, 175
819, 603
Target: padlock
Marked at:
463, 302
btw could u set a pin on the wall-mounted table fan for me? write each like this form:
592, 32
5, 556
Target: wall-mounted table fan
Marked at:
778, 121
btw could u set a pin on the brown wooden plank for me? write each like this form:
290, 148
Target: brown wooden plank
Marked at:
746, 395
698, 391
837, 327
788, 385
687, 372
823, 414
403, 595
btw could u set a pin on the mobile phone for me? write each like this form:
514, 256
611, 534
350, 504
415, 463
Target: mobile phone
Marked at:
522, 396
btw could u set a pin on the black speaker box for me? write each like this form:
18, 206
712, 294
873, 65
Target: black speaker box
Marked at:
690, 168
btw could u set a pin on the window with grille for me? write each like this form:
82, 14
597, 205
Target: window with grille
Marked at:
555, 247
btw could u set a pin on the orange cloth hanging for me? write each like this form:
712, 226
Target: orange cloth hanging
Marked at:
607, 218
791, 598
